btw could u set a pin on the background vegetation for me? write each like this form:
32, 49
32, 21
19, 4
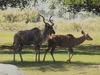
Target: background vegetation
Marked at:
17, 20
24, 3
96, 2
86, 60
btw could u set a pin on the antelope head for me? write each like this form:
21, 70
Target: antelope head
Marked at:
87, 36
49, 27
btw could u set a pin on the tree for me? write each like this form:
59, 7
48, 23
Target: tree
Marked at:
88, 2
14, 3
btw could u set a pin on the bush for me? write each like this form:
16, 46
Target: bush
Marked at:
17, 15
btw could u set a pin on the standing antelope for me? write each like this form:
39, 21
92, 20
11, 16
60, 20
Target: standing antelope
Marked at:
34, 36
66, 41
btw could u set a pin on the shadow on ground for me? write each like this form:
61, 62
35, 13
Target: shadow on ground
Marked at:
58, 65
82, 49
50, 66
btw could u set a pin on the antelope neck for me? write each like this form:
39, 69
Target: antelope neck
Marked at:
44, 34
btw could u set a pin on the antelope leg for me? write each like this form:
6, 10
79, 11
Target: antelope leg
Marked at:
70, 51
69, 57
45, 54
36, 54
52, 51
14, 54
20, 53
38, 48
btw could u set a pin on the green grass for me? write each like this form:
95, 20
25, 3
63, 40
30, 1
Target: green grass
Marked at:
86, 59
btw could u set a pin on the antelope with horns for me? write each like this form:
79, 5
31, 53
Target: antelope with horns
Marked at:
65, 41
34, 36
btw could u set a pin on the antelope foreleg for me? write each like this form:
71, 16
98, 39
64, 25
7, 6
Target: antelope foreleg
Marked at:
14, 53
21, 57
52, 51
45, 54
38, 56
69, 57
70, 54
69, 60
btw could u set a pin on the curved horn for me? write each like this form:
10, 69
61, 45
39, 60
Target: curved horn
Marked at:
43, 18
51, 21
50, 18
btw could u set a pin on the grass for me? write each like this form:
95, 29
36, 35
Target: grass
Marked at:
86, 60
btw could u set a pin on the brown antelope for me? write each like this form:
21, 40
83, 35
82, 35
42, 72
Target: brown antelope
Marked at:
34, 36
65, 41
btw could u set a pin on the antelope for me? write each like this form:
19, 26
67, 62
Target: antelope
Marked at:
34, 36
65, 41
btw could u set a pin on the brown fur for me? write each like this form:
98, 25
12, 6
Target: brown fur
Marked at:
65, 41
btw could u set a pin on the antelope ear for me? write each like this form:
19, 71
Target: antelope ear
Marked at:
83, 32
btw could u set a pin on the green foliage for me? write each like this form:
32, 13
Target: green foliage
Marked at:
95, 2
14, 3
